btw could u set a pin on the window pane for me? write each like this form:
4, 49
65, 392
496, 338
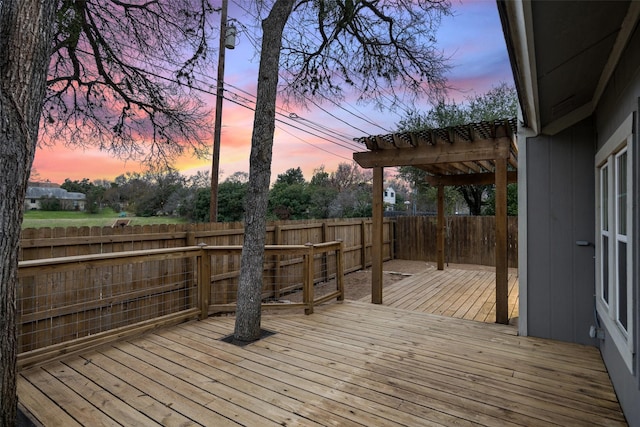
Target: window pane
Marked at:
621, 184
605, 268
622, 284
604, 192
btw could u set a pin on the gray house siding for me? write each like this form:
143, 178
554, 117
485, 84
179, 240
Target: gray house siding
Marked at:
624, 383
560, 199
620, 99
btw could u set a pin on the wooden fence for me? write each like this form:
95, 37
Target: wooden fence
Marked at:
468, 239
79, 282
39, 243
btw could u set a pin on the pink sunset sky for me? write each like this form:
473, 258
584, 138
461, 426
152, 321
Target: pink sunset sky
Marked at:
318, 136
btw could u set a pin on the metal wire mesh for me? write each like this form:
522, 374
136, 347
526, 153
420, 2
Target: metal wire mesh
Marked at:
75, 300
286, 270
63, 299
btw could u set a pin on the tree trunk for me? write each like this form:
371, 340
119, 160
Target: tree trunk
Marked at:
26, 34
248, 314
472, 195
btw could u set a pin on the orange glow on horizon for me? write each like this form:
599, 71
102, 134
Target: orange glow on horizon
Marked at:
479, 62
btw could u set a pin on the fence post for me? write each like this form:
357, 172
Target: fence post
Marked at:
325, 266
307, 286
277, 237
363, 241
204, 281
340, 270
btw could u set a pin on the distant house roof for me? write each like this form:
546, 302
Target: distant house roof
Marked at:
58, 193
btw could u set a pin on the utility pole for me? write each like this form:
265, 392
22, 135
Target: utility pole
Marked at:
215, 161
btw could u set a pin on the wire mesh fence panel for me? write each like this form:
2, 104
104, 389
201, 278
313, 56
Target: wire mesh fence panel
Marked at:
100, 295
282, 273
325, 274
225, 272
72, 300
286, 270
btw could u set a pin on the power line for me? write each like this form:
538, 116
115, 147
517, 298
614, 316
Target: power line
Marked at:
209, 92
316, 127
324, 130
338, 118
298, 128
314, 146
358, 114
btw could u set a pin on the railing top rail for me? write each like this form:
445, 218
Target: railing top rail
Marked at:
96, 258
335, 243
142, 255
291, 248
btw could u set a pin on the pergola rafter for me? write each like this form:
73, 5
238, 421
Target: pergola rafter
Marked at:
473, 154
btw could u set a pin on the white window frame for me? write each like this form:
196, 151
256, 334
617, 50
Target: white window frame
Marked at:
620, 142
604, 232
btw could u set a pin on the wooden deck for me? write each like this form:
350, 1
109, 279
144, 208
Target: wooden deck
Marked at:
348, 364
453, 292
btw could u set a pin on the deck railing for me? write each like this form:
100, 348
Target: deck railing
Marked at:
71, 303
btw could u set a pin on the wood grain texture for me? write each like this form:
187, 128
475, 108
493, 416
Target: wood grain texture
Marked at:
348, 364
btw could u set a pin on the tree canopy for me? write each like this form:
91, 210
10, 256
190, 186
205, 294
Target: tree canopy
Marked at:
122, 74
500, 102
373, 49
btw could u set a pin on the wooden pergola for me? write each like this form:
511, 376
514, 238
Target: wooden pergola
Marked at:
476, 153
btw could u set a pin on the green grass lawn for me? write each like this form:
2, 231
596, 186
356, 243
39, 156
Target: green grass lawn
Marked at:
106, 218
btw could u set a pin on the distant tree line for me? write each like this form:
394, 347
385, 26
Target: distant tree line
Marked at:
344, 193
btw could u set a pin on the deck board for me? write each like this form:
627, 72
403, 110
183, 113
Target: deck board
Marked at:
453, 292
348, 364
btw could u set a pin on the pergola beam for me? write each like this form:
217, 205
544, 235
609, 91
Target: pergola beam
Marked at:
486, 178
486, 149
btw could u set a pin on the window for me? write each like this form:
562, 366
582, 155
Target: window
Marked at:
623, 278
614, 230
604, 231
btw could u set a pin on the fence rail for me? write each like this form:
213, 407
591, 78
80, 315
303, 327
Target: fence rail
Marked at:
71, 303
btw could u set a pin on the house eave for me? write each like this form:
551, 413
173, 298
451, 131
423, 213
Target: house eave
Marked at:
518, 30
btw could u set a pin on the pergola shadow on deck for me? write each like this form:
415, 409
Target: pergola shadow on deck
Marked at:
467, 292
476, 153
348, 364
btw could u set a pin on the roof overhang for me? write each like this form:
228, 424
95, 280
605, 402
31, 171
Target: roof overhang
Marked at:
563, 54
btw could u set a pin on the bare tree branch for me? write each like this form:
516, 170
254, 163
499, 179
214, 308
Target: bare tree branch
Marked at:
374, 47
123, 77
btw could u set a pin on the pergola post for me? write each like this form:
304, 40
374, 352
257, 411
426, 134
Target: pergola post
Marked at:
502, 273
476, 153
440, 230
376, 236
